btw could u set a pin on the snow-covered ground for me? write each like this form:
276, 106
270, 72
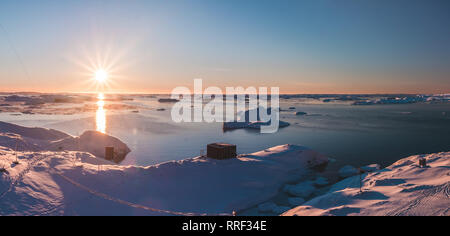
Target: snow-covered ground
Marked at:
39, 139
403, 188
40, 175
76, 183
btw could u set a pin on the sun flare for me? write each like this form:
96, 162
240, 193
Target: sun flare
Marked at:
101, 76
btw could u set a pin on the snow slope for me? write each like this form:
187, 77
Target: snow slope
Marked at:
403, 188
34, 133
73, 183
39, 139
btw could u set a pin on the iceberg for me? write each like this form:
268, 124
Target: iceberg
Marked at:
348, 171
244, 121
303, 189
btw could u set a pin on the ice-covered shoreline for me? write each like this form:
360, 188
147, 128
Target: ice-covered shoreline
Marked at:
63, 182
404, 188
77, 183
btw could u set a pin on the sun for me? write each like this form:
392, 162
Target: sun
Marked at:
101, 76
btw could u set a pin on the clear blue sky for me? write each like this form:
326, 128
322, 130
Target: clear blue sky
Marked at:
314, 46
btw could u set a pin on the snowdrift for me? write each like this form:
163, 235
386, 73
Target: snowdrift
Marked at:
403, 188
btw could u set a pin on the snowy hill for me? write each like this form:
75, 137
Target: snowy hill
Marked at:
34, 133
39, 139
73, 183
403, 188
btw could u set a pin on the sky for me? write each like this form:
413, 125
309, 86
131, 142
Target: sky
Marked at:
301, 46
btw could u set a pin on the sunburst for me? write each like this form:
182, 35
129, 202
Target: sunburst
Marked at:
100, 68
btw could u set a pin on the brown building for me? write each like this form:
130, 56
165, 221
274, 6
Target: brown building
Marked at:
221, 151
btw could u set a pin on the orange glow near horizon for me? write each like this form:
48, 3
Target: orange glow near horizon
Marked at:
100, 67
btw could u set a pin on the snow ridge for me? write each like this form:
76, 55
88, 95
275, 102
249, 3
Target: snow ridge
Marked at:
404, 188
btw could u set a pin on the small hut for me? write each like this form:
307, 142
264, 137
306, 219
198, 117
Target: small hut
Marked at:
221, 151
109, 153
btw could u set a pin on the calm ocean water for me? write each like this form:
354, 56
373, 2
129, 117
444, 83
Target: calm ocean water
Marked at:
356, 135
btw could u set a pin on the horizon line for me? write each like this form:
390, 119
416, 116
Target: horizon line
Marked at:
168, 93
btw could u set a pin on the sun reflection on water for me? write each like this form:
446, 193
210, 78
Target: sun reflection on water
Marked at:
100, 120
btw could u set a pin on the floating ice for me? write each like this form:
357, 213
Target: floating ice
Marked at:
348, 171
